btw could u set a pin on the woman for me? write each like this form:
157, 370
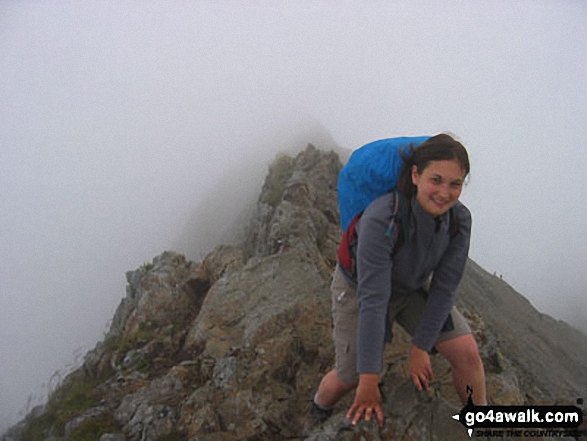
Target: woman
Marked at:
414, 283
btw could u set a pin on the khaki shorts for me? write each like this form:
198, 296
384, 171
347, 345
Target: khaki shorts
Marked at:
406, 310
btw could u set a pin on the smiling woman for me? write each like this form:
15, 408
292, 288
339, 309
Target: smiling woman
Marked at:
412, 281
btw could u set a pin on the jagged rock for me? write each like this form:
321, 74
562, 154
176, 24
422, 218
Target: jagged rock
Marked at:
152, 412
198, 413
162, 298
232, 348
297, 207
418, 417
253, 305
168, 292
223, 261
113, 437
225, 371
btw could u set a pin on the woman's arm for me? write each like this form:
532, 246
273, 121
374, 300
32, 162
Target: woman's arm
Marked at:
445, 281
374, 266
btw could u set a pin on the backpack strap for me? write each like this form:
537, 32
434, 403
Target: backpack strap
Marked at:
453, 227
393, 215
400, 219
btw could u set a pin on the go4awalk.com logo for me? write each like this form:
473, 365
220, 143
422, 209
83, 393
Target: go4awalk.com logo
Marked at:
526, 421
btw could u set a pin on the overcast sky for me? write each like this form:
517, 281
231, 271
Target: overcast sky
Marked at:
129, 128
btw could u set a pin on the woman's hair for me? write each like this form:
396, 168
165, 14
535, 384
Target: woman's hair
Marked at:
438, 148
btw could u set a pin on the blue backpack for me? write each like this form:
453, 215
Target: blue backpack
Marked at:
371, 171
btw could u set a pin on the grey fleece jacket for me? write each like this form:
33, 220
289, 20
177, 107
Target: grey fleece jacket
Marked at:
429, 249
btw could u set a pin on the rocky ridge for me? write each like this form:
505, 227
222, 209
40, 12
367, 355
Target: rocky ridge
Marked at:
232, 347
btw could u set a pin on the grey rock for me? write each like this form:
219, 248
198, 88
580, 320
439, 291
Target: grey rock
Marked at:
250, 306
167, 292
79, 420
225, 371
222, 261
113, 437
539, 348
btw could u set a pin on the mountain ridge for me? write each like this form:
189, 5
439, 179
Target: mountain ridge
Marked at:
232, 347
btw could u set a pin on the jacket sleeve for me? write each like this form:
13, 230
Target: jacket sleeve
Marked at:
445, 281
374, 269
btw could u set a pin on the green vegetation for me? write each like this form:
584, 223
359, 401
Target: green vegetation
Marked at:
122, 345
89, 430
75, 396
174, 436
93, 428
279, 173
144, 364
147, 266
77, 393
111, 344
134, 341
38, 428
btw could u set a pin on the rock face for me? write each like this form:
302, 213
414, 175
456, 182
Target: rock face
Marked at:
232, 348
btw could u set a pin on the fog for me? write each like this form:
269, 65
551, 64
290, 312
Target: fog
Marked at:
130, 128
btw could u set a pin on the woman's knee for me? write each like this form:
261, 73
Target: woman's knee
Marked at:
472, 358
461, 352
333, 381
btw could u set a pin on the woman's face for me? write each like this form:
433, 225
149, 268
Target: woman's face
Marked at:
439, 186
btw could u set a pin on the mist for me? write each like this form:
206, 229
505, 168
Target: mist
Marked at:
128, 129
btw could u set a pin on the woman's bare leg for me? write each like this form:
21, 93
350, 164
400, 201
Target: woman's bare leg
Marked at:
467, 367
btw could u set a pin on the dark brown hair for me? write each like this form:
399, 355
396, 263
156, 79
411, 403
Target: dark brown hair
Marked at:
441, 147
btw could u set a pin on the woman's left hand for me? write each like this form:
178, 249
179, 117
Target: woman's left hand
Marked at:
420, 368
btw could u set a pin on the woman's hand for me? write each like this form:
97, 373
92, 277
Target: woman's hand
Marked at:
367, 400
420, 368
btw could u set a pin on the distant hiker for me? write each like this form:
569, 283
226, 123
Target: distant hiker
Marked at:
408, 252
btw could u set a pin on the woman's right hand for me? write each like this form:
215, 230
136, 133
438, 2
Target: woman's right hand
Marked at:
367, 400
